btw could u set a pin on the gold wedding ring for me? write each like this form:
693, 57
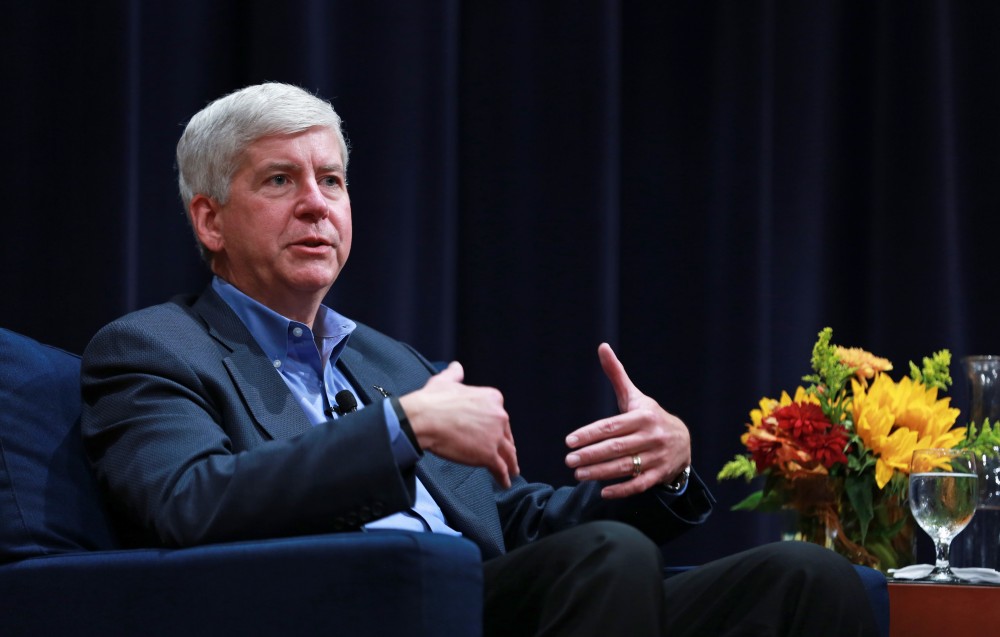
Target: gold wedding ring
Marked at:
636, 465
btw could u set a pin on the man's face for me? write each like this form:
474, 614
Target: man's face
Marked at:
285, 232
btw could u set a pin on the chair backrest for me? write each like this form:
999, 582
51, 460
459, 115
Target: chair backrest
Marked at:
49, 498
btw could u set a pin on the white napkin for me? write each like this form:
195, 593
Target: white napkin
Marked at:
971, 575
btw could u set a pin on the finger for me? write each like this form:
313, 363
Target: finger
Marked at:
628, 488
454, 372
508, 434
603, 429
500, 473
605, 453
615, 468
623, 387
509, 454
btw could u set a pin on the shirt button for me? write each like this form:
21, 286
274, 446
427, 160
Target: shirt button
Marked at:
297, 332
277, 363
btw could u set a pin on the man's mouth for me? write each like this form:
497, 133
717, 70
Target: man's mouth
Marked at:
318, 242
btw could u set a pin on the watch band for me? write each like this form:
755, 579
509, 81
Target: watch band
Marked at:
680, 482
404, 424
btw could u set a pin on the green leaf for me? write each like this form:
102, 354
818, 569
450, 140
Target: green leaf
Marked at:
859, 493
764, 500
887, 558
886, 532
773, 500
982, 440
749, 503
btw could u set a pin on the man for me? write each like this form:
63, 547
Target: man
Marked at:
209, 419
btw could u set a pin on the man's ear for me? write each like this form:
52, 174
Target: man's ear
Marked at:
207, 222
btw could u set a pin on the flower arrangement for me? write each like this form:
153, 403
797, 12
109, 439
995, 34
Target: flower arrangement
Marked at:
837, 451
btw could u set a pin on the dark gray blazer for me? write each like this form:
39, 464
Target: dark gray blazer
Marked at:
197, 439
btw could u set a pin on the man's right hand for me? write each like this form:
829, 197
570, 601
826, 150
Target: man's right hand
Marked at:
463, 423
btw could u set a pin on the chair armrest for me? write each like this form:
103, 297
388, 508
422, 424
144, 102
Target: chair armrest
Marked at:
878, 593
378, 583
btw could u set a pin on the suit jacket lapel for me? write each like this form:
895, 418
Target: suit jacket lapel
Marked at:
268, 399
366, 378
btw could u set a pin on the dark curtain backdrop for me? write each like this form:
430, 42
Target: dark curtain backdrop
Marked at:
705, 185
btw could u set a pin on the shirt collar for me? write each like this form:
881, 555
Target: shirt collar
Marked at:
273, 332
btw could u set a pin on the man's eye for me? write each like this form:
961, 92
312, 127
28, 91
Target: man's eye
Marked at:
330, 182
279, 180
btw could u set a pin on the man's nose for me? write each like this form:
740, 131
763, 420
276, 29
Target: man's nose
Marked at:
311, 202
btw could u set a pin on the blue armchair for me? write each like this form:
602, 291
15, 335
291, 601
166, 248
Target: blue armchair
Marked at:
63, 573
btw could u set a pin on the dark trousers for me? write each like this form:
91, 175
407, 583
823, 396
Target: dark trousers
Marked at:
606, 578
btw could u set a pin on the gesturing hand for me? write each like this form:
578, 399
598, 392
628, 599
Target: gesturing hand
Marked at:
606, 449
463, 423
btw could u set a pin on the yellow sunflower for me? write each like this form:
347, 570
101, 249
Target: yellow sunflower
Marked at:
895, 419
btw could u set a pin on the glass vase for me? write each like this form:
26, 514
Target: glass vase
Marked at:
979, 544
815, 502
826, 517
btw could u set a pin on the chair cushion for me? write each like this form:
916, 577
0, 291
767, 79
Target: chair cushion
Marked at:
49, 499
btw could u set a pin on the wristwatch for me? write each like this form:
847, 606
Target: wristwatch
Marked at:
679, 483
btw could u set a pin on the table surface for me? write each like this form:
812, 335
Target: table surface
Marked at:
936, 610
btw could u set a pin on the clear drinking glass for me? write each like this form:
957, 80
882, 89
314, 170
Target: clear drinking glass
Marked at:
944, 492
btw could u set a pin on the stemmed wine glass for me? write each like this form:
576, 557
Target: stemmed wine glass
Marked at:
944, 492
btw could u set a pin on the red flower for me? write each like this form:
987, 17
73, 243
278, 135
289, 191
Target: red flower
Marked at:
800, 420
797, 438
828, 448
812, 432
763, 446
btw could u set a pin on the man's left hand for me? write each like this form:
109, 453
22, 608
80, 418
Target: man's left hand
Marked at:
608, 449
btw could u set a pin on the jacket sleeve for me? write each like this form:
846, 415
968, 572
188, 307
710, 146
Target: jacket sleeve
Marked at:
530, 511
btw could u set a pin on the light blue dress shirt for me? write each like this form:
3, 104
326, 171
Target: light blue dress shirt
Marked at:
307, 362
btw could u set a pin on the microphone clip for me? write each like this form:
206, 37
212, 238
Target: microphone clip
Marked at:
346, 403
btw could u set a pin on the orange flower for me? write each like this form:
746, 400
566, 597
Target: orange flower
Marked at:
865, 364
